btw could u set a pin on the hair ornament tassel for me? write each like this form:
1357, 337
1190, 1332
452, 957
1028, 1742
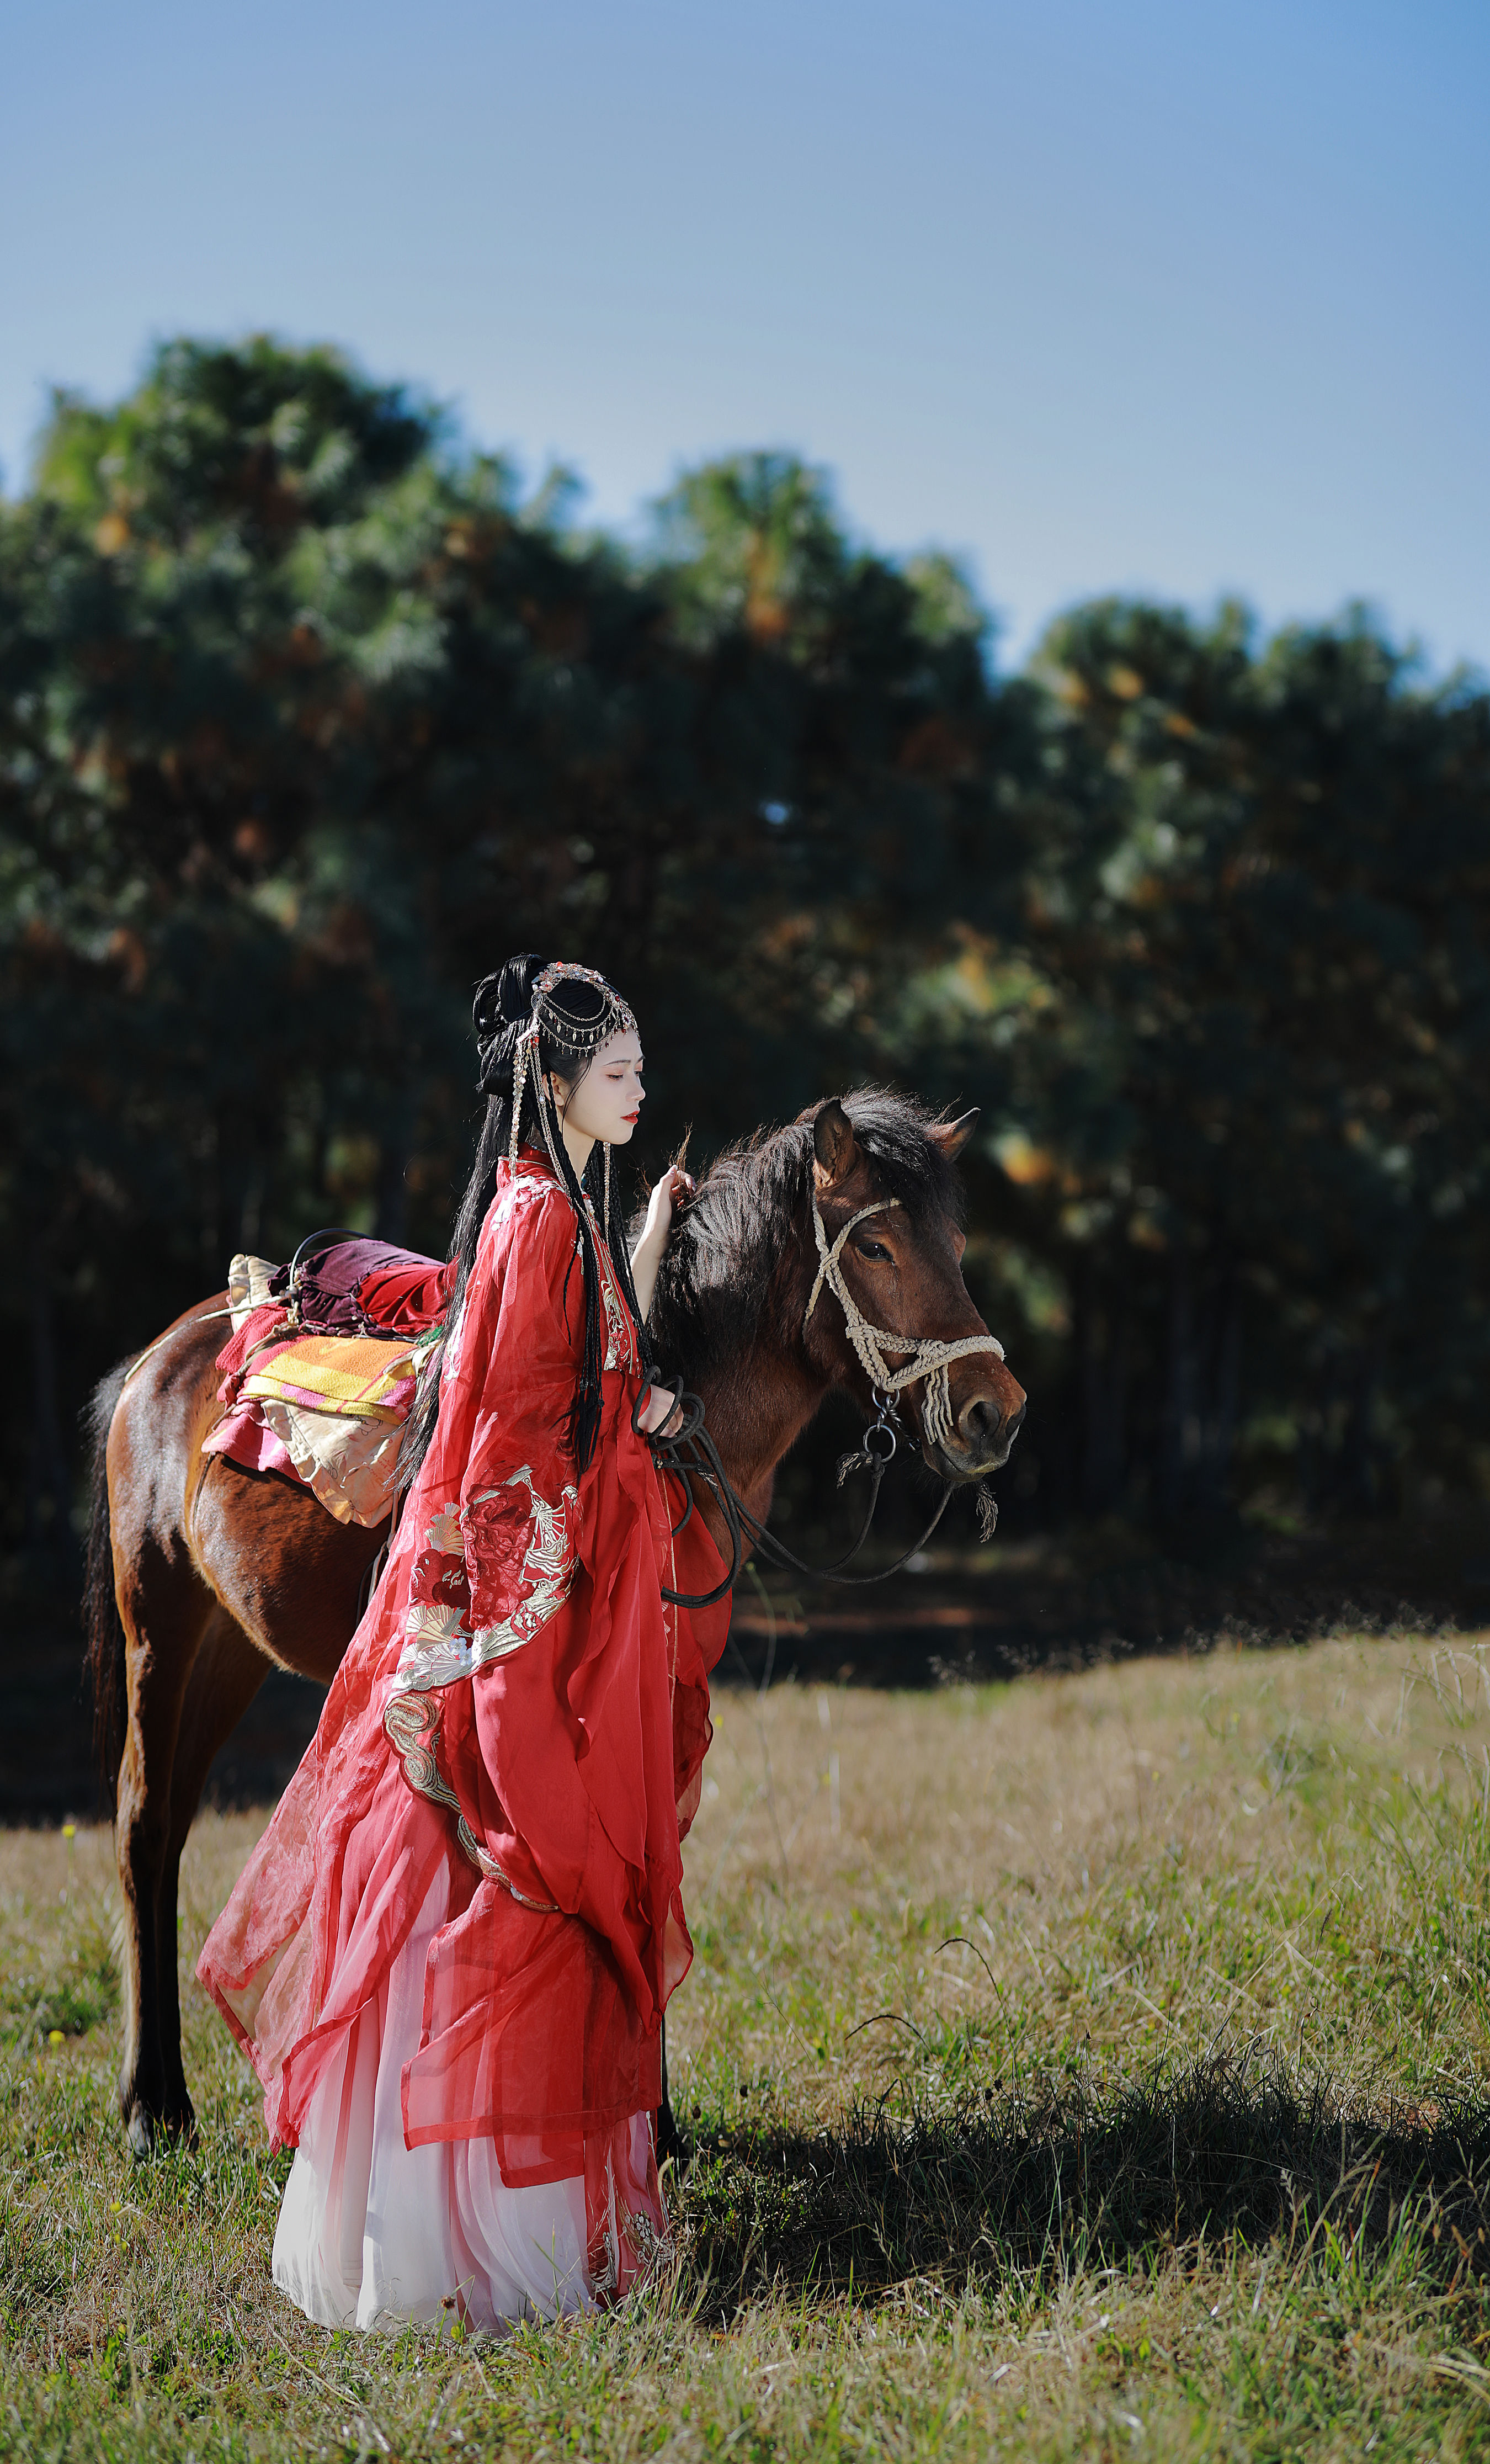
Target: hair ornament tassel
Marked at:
527, 1045
553, 1133
605, 1146
520, 1078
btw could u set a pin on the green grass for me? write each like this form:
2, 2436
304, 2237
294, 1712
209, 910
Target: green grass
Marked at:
1088, 2066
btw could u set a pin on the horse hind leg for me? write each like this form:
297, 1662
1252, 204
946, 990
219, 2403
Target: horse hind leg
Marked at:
227, 1673
164, 1608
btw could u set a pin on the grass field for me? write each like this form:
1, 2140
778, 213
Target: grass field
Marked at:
1092, 2065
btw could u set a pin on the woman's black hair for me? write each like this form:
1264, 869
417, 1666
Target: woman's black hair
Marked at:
502, 1011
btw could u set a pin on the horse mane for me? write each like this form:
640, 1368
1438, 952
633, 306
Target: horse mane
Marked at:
715, 1283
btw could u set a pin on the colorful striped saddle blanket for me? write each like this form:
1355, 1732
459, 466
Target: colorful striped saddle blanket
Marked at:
326, 1409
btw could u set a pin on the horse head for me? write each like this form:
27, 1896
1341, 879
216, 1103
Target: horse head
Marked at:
888, 1312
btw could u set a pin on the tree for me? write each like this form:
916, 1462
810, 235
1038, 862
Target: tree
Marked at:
307, 719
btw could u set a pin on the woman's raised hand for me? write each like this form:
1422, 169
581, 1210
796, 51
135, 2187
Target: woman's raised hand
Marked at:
675, 1183
646, 1257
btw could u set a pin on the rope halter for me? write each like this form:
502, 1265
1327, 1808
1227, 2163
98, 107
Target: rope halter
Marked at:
930, 1359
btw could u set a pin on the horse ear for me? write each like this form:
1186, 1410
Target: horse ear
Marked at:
833, 1147
952, 1137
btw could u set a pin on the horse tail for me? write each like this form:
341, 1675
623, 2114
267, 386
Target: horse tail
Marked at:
106, 1663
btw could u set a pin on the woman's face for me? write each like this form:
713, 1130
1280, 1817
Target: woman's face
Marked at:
605, 1103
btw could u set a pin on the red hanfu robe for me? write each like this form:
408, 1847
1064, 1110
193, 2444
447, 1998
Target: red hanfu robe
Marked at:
521, 1720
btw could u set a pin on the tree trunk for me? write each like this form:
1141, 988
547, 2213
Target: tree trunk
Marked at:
1225, 1397
49, 1487
1180, 1434
1102, 1335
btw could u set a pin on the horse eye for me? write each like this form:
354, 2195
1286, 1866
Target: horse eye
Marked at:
871, 1249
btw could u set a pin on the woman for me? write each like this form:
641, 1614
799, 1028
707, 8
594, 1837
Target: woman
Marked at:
450, 1954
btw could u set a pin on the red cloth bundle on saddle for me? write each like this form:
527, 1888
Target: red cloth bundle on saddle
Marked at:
357, 1286
321, 1401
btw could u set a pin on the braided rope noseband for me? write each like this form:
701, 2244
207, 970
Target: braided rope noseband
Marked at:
930, 1359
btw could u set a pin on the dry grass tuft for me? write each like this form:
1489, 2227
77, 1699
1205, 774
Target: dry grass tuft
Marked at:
1089, 2065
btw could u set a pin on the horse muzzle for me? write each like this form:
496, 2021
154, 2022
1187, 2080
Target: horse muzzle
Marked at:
984, 1433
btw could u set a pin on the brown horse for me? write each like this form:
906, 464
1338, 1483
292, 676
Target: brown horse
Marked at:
202, 1574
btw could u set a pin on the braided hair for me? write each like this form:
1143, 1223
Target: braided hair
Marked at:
562, 1031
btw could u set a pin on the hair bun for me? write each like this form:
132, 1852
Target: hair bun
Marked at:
502, 1005
514, 987
506, 999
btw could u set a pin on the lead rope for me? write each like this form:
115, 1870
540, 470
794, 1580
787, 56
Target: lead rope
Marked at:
930, 1359
692, 1450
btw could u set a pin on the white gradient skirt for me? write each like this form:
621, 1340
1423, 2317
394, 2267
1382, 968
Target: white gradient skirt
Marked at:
373, 2233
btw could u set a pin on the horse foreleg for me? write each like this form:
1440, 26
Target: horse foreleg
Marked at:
226, 1675
164, 1608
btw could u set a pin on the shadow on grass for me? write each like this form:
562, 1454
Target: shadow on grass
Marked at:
1002, 2183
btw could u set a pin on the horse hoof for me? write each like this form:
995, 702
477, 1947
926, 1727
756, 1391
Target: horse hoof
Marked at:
148, 2131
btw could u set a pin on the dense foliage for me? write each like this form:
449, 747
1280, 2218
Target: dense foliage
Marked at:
307, 718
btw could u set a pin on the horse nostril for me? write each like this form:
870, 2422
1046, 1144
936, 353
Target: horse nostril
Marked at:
979, 1420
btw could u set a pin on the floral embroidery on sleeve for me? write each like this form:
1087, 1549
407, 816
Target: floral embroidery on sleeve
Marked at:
521, 1554
439, 1599
483, 1584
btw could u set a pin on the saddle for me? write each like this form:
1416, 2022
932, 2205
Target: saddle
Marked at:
318, 1379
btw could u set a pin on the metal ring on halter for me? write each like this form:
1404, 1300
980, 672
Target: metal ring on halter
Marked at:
883, 1455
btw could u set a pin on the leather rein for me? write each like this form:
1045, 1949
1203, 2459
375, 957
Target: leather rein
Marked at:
689, 1451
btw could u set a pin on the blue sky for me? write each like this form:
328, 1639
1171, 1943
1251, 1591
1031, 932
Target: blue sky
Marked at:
1150, 297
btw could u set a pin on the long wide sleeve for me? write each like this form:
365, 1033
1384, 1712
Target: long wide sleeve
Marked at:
498, 1555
